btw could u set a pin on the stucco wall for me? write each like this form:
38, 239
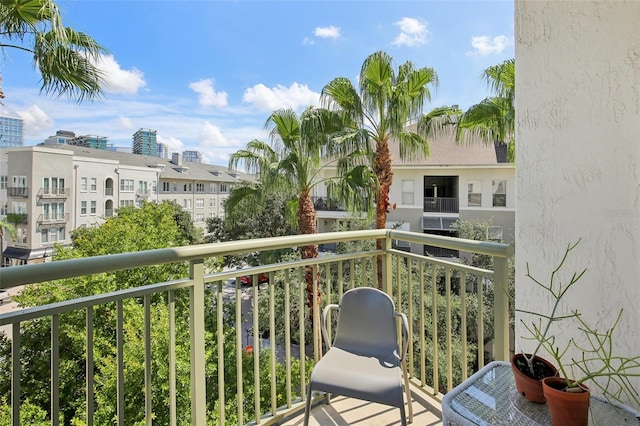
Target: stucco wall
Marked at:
578, 157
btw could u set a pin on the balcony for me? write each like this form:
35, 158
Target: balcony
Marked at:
17, 218
263, 357
53, 218
440, 205
18, 191
326, 204
54, 193
142, 193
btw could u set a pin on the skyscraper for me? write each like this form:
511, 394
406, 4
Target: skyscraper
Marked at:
11, 128
145, 143
192, 156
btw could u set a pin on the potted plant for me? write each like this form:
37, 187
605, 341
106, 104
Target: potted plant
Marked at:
594, 361
529, 368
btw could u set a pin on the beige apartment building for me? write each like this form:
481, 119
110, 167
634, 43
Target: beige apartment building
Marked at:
48, 191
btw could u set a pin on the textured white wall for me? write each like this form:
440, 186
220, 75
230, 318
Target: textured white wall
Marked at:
578, 157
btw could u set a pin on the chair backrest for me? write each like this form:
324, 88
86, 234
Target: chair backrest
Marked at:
367, 323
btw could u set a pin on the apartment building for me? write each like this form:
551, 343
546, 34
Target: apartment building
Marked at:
467, 182
11, 128
49, 191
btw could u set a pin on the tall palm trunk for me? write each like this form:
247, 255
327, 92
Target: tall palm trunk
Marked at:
383, 170
307, 225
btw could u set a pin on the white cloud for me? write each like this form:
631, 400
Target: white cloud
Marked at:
327, 32
296, 96
412, 32
124, 123
485, 45
173, 144
210, 135
207, 96
118, 80
308, 40
35, 120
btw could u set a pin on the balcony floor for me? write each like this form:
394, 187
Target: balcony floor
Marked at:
347, 411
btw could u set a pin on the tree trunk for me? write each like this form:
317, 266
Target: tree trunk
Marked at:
307, 225
383, 170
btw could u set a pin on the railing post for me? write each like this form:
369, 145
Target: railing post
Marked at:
501, 308
387, 268
196, 331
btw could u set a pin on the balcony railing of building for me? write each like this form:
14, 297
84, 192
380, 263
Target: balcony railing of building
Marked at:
53, 193
441, 205
108, 191
18, 191
326, 204
17, 218
142, 193
207, 325
52, 218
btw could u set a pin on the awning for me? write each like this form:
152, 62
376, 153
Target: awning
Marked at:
27, 254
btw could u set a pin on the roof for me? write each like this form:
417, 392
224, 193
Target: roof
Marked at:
445, 151
188, 170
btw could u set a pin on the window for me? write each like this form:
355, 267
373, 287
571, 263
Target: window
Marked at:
94, 184
186, 203
199, 203
212, 202
19, 181
126, 203
53, 233
83, 208
474, 193
199, 187
407, 192
44, 236
175, 187
188, 187
83, 184
499, 193
199, 217
3, 182
223, 188
165, 186
3, 210
126, 185
212, 188
93, 207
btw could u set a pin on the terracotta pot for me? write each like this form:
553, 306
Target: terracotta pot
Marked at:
566, 408
531, 388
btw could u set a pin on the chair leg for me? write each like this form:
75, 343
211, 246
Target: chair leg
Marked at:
407, 389
307, 407
403, 416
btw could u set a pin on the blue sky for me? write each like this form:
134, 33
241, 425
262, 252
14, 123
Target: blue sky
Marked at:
207, 74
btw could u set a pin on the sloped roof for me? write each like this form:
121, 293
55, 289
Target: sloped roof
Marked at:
190, 171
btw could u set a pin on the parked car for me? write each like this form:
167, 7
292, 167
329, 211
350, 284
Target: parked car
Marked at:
248, 279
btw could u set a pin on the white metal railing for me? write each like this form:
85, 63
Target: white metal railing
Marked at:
279, 373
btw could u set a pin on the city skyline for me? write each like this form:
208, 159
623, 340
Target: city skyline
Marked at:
206, 75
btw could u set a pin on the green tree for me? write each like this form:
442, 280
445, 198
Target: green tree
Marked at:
65, 57
385, 102
493, 119
295, 161
5, 226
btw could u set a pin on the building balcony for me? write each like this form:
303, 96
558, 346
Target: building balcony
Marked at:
326, 204
18, 191
108, 191
53, 219
53, 193
441, 205
17, 218
142, 193
250, 349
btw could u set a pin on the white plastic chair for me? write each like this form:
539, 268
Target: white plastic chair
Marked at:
364, 361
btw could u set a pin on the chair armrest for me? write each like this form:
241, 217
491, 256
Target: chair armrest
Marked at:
405, 333
323, 323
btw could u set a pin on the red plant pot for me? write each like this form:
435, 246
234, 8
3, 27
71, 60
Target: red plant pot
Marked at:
527, 386
566, 408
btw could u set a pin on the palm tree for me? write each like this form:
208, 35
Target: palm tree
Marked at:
301, 148
64, 57
8, 227
383, 106
493, 119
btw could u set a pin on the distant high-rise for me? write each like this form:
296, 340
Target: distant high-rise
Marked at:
145, 143
11, 129
192, 156
163, 150
61, 137
90, 141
